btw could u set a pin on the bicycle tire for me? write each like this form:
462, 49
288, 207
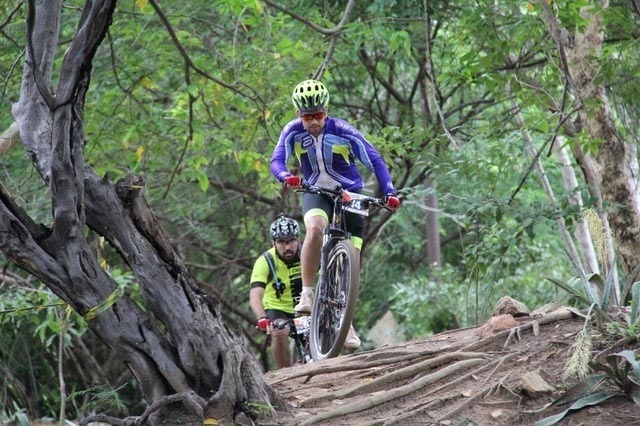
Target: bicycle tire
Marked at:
334, 303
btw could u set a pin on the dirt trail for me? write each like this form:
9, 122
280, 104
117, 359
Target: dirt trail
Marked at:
453, 378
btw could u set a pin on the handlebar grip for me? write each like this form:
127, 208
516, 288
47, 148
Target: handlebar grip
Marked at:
279, 324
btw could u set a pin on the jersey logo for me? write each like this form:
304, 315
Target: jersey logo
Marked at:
307, 141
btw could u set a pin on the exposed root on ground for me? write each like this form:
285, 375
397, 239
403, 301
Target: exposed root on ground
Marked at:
380, 398
449, 377
396, 376
372, 361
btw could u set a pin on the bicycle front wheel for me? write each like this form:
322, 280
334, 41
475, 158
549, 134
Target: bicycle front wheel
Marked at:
335, 301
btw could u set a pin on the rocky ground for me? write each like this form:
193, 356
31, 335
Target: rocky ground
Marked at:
502, 373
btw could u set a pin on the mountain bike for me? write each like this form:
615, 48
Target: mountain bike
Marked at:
334, 301
299, 333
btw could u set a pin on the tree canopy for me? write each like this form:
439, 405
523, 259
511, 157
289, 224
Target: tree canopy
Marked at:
136, 186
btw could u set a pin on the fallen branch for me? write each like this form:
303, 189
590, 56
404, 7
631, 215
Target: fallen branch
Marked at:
505, 334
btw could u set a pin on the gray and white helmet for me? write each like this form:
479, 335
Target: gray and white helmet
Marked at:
284, 227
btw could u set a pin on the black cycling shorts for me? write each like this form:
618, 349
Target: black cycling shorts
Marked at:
275, 314
354, 222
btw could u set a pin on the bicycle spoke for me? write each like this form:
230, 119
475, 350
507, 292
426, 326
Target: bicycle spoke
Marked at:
335, 301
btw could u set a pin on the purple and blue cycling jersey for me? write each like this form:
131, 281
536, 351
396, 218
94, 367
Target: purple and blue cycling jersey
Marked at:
330, 157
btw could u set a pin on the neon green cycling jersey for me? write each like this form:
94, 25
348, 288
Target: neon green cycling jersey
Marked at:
288, 275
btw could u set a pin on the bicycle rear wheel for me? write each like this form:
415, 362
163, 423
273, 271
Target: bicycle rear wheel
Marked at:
335, 301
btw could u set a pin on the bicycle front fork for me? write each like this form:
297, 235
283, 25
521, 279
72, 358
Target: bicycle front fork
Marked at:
329, 239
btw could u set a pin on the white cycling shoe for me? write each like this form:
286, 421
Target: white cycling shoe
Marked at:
305, 304
352, 341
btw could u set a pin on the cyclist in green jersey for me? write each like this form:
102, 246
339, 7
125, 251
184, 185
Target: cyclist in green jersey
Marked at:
276, 283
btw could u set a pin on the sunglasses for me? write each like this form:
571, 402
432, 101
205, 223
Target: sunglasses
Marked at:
315, 116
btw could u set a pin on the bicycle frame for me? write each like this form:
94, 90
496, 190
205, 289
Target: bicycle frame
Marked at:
343, 201
338, 283
299, 333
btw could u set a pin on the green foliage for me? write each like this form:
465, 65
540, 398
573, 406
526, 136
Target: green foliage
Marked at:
427, 87
427, 306
33, 321
629, 328
30, 320
257, 409
583, 290
621, 370
101, 399
18, 417
587, 401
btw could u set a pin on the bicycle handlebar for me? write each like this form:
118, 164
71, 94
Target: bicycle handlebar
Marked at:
280, 325
341, 193
294, 327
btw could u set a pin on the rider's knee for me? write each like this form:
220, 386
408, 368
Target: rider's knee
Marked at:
280, 334
315, 226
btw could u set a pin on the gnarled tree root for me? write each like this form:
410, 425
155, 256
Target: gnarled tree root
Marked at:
194, 404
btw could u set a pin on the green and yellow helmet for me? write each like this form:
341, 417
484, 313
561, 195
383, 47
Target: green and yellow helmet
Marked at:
310, 96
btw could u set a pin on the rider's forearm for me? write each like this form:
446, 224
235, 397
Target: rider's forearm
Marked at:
255, 300
278, 165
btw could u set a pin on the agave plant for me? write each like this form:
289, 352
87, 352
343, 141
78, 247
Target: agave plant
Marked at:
593, 291
620, 369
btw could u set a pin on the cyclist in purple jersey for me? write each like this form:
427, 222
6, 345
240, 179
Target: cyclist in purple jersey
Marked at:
326, 149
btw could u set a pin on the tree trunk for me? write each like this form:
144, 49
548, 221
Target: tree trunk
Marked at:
615, 166
582, 234
432, 226
178, 343
616, 161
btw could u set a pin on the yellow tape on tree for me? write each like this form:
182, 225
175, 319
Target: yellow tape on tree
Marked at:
106, 304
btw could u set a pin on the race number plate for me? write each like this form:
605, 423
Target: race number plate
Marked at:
303, 324
358, 207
